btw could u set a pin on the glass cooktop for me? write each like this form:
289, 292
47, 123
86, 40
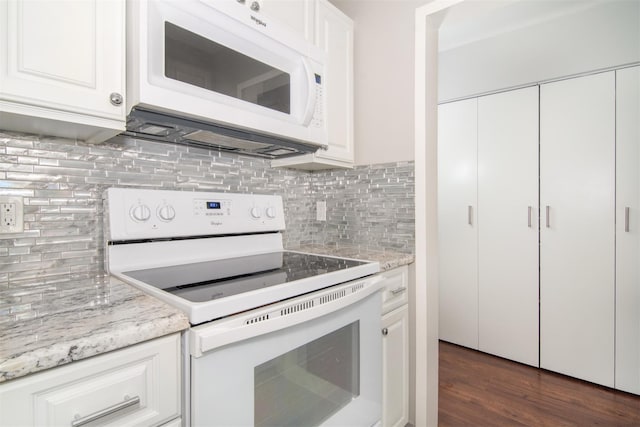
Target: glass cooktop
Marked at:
210, 280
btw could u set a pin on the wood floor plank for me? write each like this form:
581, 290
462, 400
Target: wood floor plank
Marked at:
477, 389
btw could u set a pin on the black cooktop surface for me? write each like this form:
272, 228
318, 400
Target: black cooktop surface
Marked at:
209, 280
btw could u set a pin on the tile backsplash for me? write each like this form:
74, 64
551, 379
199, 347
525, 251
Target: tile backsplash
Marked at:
62, 182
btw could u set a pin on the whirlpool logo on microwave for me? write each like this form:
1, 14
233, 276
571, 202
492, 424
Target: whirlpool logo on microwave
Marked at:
258, 21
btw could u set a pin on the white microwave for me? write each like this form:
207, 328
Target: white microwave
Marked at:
218, 73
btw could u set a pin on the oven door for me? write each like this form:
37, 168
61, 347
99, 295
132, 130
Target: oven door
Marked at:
312, 361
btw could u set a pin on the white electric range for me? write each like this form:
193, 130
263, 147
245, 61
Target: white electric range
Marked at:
295, 335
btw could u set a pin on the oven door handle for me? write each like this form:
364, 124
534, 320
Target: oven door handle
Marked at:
281, 315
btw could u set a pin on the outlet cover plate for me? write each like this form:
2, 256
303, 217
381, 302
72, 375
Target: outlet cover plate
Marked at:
11, 215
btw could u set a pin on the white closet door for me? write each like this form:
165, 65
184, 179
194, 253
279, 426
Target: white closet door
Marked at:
577, 185
628, 230
457, 225
508, 224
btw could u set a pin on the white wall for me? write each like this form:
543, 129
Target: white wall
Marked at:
384, 73
574, 38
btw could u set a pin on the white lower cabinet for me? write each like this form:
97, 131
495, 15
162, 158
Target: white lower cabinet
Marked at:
395, 348
628, 230
173, 423
136, 386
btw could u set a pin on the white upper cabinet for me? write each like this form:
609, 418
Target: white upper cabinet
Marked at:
334, 34
63, 67
298, 15
628, 230
577, 234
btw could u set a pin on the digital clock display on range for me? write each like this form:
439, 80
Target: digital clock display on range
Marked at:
213, 205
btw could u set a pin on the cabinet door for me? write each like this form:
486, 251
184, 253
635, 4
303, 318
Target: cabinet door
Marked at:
457, 228
334, 35
628, 230
508, 225
295, 14
577, 183
63, 56
134, 386
395, 368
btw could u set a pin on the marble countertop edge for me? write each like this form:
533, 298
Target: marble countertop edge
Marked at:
65, 352
388, 259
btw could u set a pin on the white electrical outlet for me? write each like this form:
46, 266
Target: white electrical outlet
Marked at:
11, 215
321, 211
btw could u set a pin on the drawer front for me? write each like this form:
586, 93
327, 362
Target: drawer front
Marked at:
396, 288
139, 385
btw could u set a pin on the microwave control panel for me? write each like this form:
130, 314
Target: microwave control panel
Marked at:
152, 214
317, 120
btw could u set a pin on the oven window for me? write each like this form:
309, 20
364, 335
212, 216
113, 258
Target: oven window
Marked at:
309, 384
198, 61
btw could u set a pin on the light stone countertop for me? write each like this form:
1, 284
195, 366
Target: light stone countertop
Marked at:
85, 318
388, 259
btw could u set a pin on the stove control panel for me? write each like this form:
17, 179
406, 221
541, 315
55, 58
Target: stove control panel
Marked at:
148, 214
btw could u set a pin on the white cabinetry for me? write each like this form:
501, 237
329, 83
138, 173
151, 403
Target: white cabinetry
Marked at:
577, 240
587, 223
62, 71
333, 34
488, 223
395, 348
628, 230
457, 228
508, 225
135, 386
298, 15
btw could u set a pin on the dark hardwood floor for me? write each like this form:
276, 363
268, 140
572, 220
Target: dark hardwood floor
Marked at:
477, 389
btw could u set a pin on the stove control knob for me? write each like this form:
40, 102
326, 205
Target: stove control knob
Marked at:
166, 212
271, 212
256, 213
140, 213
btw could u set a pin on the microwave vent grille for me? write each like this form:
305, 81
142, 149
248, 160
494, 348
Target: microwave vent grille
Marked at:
163, 127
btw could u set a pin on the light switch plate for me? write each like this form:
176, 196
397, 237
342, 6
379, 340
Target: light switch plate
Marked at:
11, 215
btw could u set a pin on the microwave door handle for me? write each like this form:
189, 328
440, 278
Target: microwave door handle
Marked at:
312, 98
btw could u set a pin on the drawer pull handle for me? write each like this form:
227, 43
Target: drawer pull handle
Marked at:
127, 403
399, 290
385, 332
